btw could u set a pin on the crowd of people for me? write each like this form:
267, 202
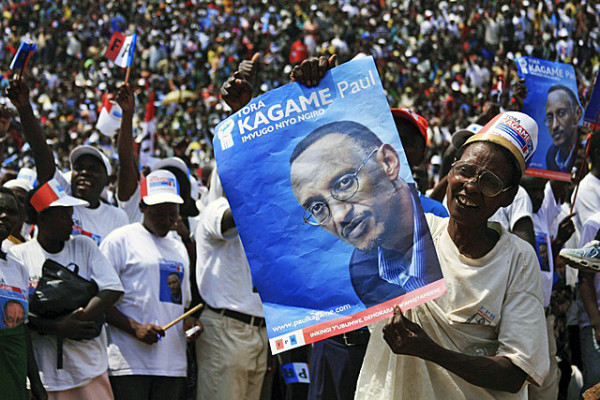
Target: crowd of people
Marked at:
158, 239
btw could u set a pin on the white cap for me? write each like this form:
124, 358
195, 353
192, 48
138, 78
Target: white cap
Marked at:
51, 194
174, 162
515, 131
26, 180
159, 187
83, 150
460, 136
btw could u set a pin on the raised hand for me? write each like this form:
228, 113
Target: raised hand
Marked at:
310, 72
237, 90
18, 93
126, 99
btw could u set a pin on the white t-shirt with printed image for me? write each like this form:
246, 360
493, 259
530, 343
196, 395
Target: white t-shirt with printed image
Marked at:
83, 360
95, 223
144, 263
493, 307
14, 288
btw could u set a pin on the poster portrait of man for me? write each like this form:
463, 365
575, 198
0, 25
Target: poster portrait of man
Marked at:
563, 113
347, 180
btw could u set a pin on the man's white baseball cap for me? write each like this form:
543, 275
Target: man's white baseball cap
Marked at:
83, 150
26, 180
159, 187
51, 194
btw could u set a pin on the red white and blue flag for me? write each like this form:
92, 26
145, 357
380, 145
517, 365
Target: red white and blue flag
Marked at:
120, 49
22, 56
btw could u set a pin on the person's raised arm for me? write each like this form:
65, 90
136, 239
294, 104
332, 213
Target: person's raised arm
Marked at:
18, 93
491, 372
237, 90
128, 174
310, 72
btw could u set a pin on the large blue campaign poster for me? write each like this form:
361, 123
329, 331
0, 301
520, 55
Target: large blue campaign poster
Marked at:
553, 103
326, 207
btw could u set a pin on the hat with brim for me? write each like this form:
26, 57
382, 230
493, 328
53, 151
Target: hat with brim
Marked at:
418, 121
515, 131
460, 137
84, 150
51, 194
160, 187
174, 162
18, 183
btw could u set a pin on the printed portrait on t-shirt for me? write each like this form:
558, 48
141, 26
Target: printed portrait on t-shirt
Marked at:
541, 250
171, 281
13, 306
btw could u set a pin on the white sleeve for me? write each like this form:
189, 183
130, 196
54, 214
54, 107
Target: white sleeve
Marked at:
549, 209
131, 206
211, 219
526, 345
588, 232
111, 249
101, 271
521, 207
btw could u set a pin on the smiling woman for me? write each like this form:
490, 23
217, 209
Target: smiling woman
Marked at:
488, 332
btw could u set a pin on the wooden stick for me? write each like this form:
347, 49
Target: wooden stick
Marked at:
187, 314
127, 72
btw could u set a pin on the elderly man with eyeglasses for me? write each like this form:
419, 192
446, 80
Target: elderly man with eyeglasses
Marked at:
563, 113
348, 182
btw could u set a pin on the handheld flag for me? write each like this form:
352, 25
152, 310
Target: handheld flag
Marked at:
109, 118
120, 49
22, 56
591, 117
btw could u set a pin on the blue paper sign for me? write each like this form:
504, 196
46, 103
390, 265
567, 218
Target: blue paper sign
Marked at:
326, 206
591, 117
295, 373
553, 103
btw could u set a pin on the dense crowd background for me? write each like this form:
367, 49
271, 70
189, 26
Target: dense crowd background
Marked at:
447, 60
443, 59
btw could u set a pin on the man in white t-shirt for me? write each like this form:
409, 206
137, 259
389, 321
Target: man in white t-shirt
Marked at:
145, 361
90, 171
232, 353
84, 358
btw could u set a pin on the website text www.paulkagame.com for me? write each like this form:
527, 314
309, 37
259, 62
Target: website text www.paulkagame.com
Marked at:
315, 316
